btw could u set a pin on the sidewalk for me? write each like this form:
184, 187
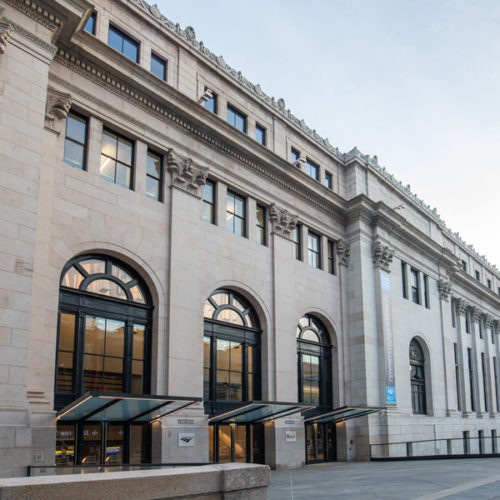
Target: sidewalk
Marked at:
477, 478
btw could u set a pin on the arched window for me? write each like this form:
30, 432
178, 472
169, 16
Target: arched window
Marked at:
231, 351
314, 362
417, 377
104, 330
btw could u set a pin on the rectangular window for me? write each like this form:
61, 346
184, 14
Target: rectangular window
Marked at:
478, 276
117, 159
415, 285
426, 292
457, 377
480, 327
464, 266
489, 284
158, 66
123, 43
466, 442
481, 442
331, 257
453, 314
497, 388
235, 214
260, 134
75, 144
312, 169
210, 102
485, 382
236, 118
295, 155
90, 24
314, 249
471, 379
209, 202
494, 445
467, 322
154, 176
404, 280
297, 242
261, 224
328, 180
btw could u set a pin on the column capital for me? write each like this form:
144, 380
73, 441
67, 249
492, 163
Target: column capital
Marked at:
382, 256
57, 106
461, 306
444, 288
282, 221
185, 174
343, 252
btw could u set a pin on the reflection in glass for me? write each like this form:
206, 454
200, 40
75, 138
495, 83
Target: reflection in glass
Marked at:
67, 332
137, 295
221, 298
240, 443
92, 373
91, 447
208, 310
65, 444
138, 443
93, 266
72, 279
137, 383
224, 443
138, 342
230, 316
95, 330
120, 274
310, 335
114, 444
107, 287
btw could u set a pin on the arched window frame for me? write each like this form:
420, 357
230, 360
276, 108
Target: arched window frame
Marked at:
321, 349
79, 303
417, 378
247, 334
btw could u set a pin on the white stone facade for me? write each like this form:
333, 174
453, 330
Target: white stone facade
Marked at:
52, 212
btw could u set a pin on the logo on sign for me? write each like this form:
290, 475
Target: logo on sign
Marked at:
186, 439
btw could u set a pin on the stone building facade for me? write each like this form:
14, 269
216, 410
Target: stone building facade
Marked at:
189, 273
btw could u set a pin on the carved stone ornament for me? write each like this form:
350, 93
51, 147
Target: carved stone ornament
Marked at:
444, 288
185, 174
5, 31
57, 106
476, 313
343, 252
282, 221
382, 256
461, 306
489, 320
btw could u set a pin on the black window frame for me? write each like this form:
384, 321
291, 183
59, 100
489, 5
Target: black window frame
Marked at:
328, 179
295, 155
92, 20
477, 274
125, 37
212, 203
404, 279
236, 113
330, 247
489, 283
261, 228
297, 242
471, 379
415, 286
161, 61
72, 113
316, 254
263, 134
417, 378
312, 166
426, 292
485, 382
131, 166
159, 180
211, 104
464, 266
242, 218
457, 376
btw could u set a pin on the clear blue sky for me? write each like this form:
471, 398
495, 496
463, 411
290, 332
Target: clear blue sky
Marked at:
415, 82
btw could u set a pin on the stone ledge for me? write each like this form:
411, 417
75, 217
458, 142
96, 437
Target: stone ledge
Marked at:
218, 481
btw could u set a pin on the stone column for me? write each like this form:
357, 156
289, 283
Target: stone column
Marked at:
464, 389
474, 315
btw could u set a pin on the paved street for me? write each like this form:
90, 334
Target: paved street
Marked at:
419, 479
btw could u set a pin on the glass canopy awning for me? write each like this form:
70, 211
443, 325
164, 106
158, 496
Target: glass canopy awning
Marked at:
341, 414
258, 411
115, 407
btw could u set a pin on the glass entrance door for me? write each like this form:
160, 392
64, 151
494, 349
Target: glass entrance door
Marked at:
237, 443
320, 443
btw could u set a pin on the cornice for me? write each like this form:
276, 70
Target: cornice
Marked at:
28, 35
154, 106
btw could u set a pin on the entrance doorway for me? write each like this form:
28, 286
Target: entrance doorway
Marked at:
237, 443
321, 443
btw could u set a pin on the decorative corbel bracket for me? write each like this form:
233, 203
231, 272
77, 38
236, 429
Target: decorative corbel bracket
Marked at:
5, 31
343, 252
476, 313
382, 256
283, 222
185, 174
489, 320
57, 107
461, 306
444, 288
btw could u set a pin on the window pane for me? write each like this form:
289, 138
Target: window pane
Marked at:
235, 386
158, 67
250, 387
107, 168
236, 356
206, 352
208, 212
120, 274
230, 316
90, 24
107, 287
109, 143
76, 128
222, 387
250, 355
310, 335
67, 332
114, 39
95, 329
238, 226
114, 444
137, 295
92, 373
152, 188
64, 371
223, 354
72, 278
74, 154
224, 443
115, 337
239, 206
113, 374
91, 452
138, 342
154, 165
208, 310
65, 444
137, 383
122, 175
221, 298
131, 49
93, 266
124, 151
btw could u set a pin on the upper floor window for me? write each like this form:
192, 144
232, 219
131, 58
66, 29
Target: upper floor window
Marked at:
210, 102
123, 43
489, 284
117, 158
328, 180
404, 279
261, 224
75, 144
297, 242
426, 292
415, 286
236, 118
467, 321
235, 214
90, 24
209, 202
295, 155
260, 134
158, 66
478, 275
312, 169
331, 257
314, 248
464, 266
154, 176
417, 376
